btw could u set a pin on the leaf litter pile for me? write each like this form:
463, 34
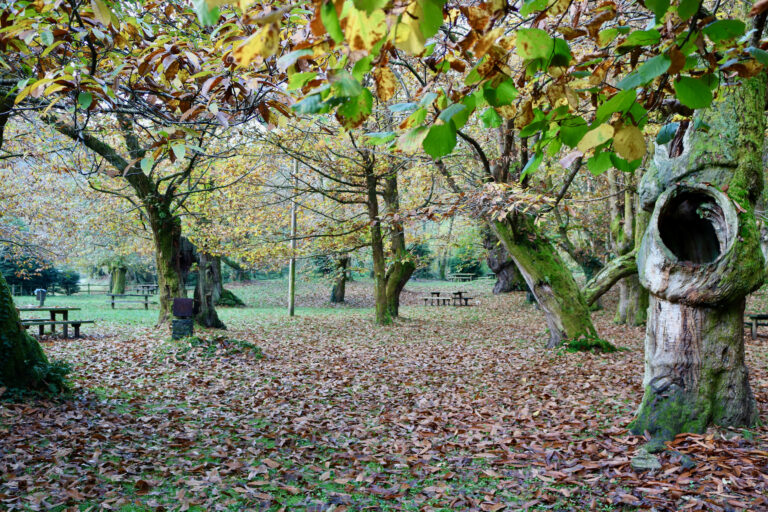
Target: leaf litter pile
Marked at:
450, 409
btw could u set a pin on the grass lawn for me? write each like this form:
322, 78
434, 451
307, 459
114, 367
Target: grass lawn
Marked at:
448, 409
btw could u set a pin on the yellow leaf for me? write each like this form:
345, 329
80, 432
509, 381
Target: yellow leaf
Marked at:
629, 142
364, 31
385, 83
408, 36
263, 43
102, 12
595, 137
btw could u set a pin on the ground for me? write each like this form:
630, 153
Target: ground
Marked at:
449, 409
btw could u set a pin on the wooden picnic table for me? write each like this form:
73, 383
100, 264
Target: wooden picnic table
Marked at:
456, 299
53, 310
146, 288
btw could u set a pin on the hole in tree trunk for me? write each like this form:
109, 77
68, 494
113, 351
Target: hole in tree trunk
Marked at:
690, 225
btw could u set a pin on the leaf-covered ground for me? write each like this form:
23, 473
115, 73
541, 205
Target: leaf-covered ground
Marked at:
450, 409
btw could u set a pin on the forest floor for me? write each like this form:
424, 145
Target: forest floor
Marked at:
449, 409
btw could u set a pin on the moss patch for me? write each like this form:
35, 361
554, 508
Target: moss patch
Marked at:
590, 344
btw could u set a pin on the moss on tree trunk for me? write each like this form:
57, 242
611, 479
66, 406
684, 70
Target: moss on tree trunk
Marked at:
166, 231
547, 277
118, 279
699, 258
23, 364
206, 292
339, 288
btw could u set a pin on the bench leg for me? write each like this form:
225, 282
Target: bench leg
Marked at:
754, 329
77, 330
40, 330
146, 305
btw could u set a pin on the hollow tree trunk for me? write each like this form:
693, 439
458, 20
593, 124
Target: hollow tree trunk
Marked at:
166, 232
699, 258
339, 288
118, 279
508, 277
205, 291
21, 356
547, 277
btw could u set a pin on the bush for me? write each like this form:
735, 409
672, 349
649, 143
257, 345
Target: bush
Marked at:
229, 299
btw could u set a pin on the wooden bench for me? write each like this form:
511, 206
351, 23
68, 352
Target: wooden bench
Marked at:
124, 298
146, 288
64, 323
755, 322
461, 301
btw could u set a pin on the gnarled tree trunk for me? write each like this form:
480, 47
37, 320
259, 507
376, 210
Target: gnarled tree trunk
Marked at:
117, 279
699, 258
166, 232
206, 291
547, 277
339, 289
22, 360
508, 277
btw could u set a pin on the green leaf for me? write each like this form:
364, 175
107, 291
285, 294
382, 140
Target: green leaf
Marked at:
688, 8
411, 140
403, 107
641, 38
290, 59
693, 93
331, 21
666, 133
312, 104
599, 163
447, 114
427, 99
572, 130
376, 138
356, 110
532, 165
534, 43
623, 165
362, 67
206, 16
503, 94
146, 164
179, 150
370, 5
606, 37
298, 80
460, 118
432, 17
659, 8
722, 30
759, 55
530, 6
440, 140
46, 37
84, 99
649, 70
345, 85
490, 118
620, 102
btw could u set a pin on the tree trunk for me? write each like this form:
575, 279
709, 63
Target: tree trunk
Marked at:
616, 269
217, 287
166, 232
339, 288
118, 279
508, 277
547, 277
205, 310
22, 360
402, 266
699, 258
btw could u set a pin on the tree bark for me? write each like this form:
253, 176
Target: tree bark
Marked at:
166, 232
508, 277
402, 265
22, 360
338, 291
618, 268
547, 277
205, 292
118, 279
699, 258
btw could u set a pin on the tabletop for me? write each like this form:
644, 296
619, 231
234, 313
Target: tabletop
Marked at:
46, 308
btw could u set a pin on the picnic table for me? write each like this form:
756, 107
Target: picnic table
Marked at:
755, 321
456, 299
122, 298
53, 311
461, 276
146, 288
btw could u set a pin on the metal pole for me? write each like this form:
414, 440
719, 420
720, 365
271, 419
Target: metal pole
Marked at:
292, 265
